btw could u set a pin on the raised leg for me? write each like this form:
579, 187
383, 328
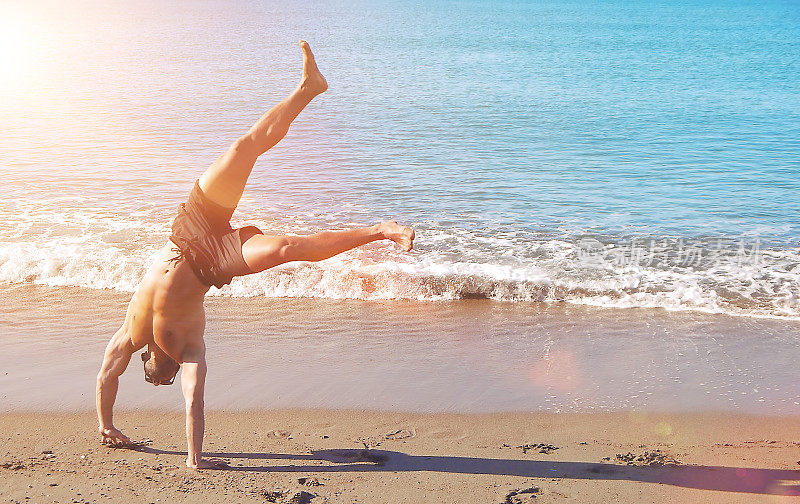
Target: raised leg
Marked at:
223, 182
263, 251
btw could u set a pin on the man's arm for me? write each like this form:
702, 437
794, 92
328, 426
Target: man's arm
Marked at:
115, 361
193, 381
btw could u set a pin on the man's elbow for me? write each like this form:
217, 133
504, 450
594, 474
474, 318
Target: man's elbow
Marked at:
194, 405
103, 377
195, 411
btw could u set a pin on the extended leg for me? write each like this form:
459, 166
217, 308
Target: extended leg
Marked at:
223, 182
263, 252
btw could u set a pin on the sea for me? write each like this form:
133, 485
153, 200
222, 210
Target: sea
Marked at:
610, 188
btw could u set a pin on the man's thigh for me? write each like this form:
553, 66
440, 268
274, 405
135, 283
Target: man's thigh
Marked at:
223, 182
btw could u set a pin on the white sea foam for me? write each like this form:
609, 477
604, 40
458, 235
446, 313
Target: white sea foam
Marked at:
105, 252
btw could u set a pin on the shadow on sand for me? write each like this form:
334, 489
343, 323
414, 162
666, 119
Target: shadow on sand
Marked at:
727, 479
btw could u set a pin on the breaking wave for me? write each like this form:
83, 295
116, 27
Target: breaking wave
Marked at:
107, 253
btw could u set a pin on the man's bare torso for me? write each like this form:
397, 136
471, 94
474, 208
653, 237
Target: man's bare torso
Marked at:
167, 308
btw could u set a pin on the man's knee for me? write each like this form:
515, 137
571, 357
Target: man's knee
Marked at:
243, 147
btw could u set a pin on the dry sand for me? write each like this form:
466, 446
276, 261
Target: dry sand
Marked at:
375, 457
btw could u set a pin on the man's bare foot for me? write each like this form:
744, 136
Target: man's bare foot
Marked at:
312, 79
401, 235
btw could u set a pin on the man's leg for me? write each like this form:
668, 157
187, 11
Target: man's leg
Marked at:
263, 251
223, 182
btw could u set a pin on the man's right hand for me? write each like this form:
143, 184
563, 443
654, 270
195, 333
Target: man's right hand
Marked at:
113, 437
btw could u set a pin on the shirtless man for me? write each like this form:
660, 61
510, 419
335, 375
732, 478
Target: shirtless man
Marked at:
166, 312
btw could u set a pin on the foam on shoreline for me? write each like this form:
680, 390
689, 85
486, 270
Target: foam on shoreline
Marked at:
756, 282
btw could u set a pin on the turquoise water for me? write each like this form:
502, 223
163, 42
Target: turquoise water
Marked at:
607, 154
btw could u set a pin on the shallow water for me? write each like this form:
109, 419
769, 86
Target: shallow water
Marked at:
604, 154
465, 356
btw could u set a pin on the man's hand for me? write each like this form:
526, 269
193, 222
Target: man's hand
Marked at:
115, 361
113, 437
208, 463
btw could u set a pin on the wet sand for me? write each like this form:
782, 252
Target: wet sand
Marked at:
325, 456
471, 356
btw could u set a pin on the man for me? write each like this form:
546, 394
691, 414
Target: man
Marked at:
166, 312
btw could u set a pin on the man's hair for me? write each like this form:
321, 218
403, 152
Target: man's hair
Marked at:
159, 371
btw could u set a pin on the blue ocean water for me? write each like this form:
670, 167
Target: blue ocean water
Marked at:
604, 153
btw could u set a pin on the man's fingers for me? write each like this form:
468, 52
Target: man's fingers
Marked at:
115, 441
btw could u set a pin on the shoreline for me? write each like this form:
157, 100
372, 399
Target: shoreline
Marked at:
331, 456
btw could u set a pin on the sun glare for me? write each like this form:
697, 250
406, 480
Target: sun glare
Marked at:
19, 48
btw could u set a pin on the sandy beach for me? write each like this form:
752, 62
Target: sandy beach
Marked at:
325, 456
308, 353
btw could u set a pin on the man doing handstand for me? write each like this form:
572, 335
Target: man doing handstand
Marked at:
166, 312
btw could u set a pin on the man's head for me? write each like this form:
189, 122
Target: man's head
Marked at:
159, 368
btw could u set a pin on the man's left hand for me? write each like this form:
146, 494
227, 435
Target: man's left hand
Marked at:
113, 437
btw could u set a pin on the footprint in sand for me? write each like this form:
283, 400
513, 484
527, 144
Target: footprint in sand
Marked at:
288, 497
309, 481
523, 496
400, 434
648, 458
545, 448
14, 465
